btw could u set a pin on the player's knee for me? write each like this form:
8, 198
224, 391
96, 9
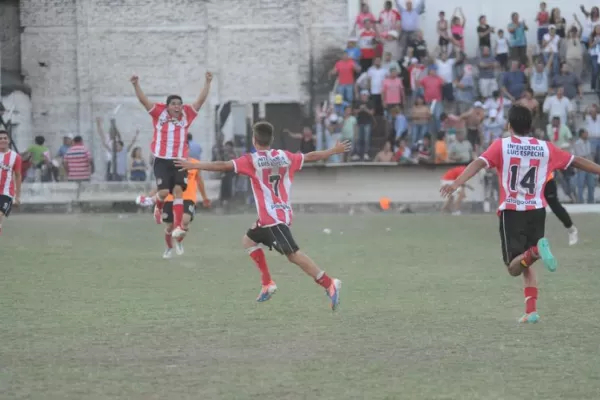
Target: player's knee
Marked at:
163, 193
186, 220
177, 191
247, 242
169, 229
515, 270
294, 256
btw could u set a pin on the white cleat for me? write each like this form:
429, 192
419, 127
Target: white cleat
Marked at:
168, 254
573, 236
179, 248
178, 232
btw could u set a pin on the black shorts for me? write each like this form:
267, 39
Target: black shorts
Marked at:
473, 137
6, 203
520, 230
278, 237
168, 176
189, 208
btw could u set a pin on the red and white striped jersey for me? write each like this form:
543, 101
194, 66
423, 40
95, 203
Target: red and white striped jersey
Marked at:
388, 19
170, 134
10, 162
77, 160
523, 165
271, 175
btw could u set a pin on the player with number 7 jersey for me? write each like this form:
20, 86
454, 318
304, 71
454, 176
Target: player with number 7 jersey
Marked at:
523, 164
271, 174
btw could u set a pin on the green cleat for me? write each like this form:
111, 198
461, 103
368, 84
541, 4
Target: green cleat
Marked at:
546, 255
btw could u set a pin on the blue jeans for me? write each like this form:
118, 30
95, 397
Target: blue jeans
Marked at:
437, 113
555, 67
347, 92
363, 143
595, 143
595, 71
418, 131
586, 179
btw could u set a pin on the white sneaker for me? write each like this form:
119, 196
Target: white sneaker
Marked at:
179, 248
573, 236
168, 254
456, 213
366, 157
355, 157
178, 232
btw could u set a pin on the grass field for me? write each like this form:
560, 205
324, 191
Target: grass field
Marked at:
89, 310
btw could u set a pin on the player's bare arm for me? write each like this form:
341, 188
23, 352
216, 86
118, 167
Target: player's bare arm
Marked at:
586, 165
215, 166
204, 93
202, 190
472, 169
135, 81
340, 147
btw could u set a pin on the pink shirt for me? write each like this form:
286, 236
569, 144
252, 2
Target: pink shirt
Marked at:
392, 90
432, 88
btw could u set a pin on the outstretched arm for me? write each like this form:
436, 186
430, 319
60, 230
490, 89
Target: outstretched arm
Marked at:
340, 147
586, 165
204, 93
472, 169
135, 81
216, 166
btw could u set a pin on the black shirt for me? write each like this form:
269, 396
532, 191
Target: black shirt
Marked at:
306, 146
484, 41
419, 49
363, 117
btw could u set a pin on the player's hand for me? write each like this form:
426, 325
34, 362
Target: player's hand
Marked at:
185, 165
17, 201
206, 203
208, 77
135, 79
342, 147
448, 190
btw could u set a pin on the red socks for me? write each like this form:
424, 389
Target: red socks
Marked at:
158, 202
258, 256
531, 295
530, 256
168, 240
324, 280
177, 212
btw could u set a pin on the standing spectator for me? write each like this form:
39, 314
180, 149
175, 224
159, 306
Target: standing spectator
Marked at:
583, 148
445, 70
420, 116
465, 87
334, 134
195, 150
364, 118
474, 118
559, 133
501, 50
550, 45
499, 103
78, 162
484, 33
559, 106
592, 126
353, 51
367, 42
514, 82
345, 70
362, 84
389, 18
218, 149
594, 52
487, 77
441, 149
518, 39
376, 77
492, 128
442, 31
539, 79
391, 48
390, 62
574, 50
138, 166
349, 129
528, 100
364, 15
416, 72
569, 82
393, 91
457, 29
419, 46
410, 20
307, 139
559, 22
461, 151
432, 86
542, 18
400, 125
592, 19
227, 178
119, 173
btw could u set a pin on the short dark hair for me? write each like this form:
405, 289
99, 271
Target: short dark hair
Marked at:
3, 132
173, 97
581, 132
78, 139
189, 137
40, 140
263, 133
520, 120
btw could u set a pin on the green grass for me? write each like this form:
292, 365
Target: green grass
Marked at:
89, 310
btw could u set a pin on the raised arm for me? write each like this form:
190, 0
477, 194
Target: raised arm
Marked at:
204, 93
100, 130
135, 137
340, 147
216, 166
135, 81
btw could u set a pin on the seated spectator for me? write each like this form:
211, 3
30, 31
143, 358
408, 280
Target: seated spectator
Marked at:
441, 149
568, 81
385, 154
138, 166
423, 150
78, 162
403, 154
461, 151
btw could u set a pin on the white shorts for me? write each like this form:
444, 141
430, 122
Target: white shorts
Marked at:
445, 182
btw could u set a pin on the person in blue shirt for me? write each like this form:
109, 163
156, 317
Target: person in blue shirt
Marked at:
195, 150
518, 39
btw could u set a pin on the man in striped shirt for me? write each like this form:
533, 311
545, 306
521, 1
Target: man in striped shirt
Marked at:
78, 162
10, 176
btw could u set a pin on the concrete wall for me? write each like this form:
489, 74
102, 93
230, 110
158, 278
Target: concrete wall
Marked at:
78, 56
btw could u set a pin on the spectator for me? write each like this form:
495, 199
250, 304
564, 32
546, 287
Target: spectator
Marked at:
389, 18
558, 106
501, 50
457, 29
442, 31
334, 134
559, 22
339, 105
568, 81
528, 100
559, 133
583, 148
410, 20
592, 19
391, 49
474, 118
594, 52
484, 33
464, 85
349, 129
364, 15
514, 81
420, 115
367, 40
353, 51
432, 86
376, 77
119, 172
138, 165
492, 128
403, 154
389, 63
487, 77
62, 150
445, 70
307, 139
364, 117
419, 46
518, 40
497, 102
441, 149
592, 126
400, 125
393, 91
218, 149
539, 79
423, 150
550, 46
461, 151
385, 154
542, 18
195, 150
78, 162
362, 84
345, 68
574, 50
227, 178
44, 170
416, 71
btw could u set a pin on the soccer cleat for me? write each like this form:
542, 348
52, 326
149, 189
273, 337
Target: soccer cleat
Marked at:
179, 248
573, 236
546, 255
168, 254
267, 292
157, 214
333, 292
530, 318
179, 232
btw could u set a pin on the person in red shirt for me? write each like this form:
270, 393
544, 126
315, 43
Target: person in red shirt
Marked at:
542, 18
171, 121
365, 14
367, 41
432, 85
345, 69
10, 177
271, 174
523, 164
451, 204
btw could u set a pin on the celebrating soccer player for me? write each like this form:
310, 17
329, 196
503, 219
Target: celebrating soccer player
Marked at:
523, 164
171, 122
10, 177
271, 174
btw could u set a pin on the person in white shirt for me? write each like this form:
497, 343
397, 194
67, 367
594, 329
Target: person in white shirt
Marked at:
445, 71
551, 45
493, 127
376, 76
592, 126
558, 106
497, 102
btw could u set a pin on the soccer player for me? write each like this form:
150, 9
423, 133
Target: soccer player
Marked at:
10, 177
171, 122
523, 164
271, 174
551, 195
452, 203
